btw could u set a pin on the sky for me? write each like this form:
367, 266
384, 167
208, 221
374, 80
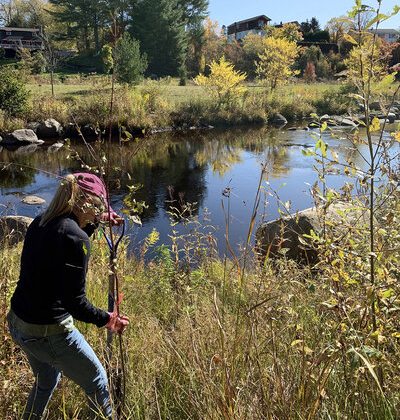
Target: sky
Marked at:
230, 11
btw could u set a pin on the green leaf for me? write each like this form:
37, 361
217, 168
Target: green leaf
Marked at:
371, 352
381, 17
308, 152
84, 248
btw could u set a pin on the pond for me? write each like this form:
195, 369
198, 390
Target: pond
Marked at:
202, 167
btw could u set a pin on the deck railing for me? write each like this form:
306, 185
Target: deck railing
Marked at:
15, 44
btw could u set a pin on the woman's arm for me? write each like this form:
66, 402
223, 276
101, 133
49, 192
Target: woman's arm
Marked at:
73, 282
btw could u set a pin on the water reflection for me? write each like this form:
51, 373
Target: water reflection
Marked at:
198, 165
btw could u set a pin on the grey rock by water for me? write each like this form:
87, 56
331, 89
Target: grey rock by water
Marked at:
33, 200
49, 128
55, 147
22, 136
345, 122
284, 233
33, 125
278, 119
375, 106
13, 229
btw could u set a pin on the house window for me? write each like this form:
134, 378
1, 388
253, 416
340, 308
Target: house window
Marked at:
8, 32
260, 23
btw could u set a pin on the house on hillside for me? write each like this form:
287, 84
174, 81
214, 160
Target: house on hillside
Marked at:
13, 38
389, 35
255, 25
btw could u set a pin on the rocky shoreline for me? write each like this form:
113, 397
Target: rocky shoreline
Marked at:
50, 129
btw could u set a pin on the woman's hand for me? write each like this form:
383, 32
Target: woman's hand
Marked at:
116, 220
117, 323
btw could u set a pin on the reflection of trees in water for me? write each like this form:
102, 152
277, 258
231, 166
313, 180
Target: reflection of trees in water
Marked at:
18, 170
14, 176
177, 159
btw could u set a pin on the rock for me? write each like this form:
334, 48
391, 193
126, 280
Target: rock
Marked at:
292, 129
278, 119
285, 232
396, 111
55, 147
391, 116
89, 130
33, 200
70, 130
345, 122
33, 125
13, 229
375, 106
314, 124
22, 136
49, 128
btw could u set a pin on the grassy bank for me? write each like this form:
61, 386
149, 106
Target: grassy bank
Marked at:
163, 104
275, 342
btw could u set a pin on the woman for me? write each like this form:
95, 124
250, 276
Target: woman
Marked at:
51, 293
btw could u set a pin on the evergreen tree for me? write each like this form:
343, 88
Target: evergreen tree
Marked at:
82, 17
130, 64
159, 25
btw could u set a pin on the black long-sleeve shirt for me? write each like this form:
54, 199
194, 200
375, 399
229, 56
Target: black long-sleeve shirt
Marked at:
52, 280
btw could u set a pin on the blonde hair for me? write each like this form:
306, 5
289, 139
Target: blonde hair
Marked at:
66, 199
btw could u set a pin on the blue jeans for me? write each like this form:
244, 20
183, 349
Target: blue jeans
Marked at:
68, 353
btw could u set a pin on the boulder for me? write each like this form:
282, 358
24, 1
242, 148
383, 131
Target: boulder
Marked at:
49, 128
33, 125
55, 147
346, 122
278, 119
89, 130
13, 229
284, 233
375, 106
33, 200
22, 136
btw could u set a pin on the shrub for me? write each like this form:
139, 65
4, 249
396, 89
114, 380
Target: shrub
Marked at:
224, 82
130, 64
13, 93
38, 63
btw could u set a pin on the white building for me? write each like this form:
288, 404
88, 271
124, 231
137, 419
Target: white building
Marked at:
389, 35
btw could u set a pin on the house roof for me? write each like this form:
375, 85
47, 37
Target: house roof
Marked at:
251, 19
384, 31
19, 29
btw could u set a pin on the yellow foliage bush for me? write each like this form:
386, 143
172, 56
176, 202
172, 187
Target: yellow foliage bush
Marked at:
223, 83
276, 61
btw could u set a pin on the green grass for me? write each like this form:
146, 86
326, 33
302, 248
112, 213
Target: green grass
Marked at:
201, 347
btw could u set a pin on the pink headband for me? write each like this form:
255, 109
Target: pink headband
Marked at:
92, 184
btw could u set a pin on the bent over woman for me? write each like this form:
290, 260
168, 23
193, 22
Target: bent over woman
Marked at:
50, 293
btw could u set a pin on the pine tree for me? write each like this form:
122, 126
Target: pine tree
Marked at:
83, 17
159, 25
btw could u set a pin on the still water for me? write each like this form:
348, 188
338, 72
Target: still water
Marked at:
201, 165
